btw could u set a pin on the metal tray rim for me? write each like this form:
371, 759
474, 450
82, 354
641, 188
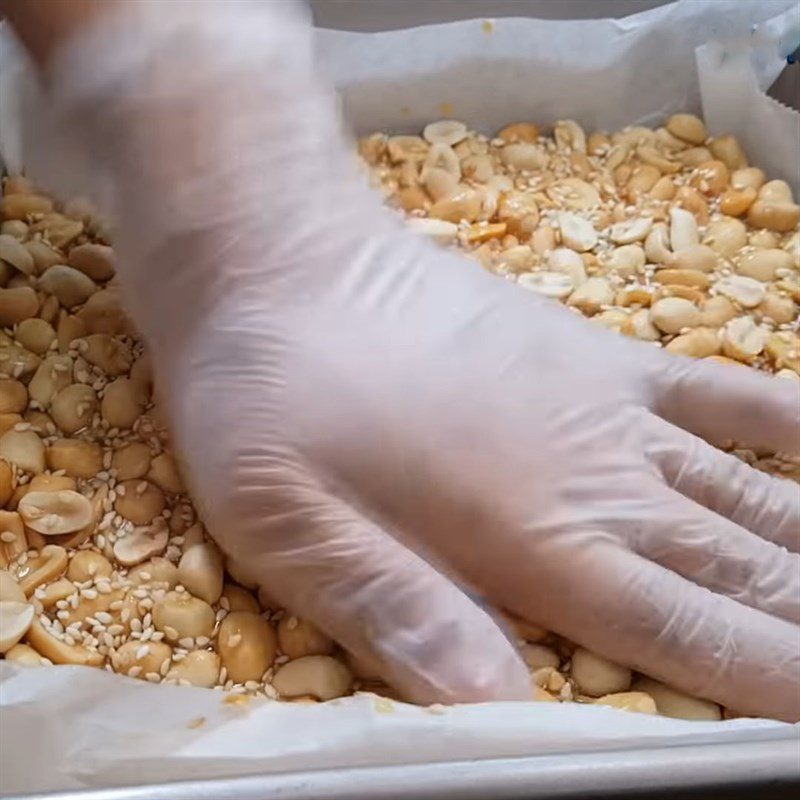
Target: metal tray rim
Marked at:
773, 760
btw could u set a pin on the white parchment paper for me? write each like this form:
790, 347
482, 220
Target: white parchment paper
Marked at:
69, 727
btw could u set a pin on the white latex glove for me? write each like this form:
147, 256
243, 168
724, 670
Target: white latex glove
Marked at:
356, 405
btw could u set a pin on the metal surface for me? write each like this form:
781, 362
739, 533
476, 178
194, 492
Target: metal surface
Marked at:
769, 768
381, 15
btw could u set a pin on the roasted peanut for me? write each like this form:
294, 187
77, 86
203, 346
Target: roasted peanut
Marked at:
238, 599
697, 343
299, 637
198, 668
142, 543
726, 236
60, 652
672, 314
200, 571
247, 646
15, 619
53, 513
49, 565
77, 457
672, 703
321, 677
179, 615
687, 127
156, 571
629, 701
23, 449
140, 501
88, 565
597, 676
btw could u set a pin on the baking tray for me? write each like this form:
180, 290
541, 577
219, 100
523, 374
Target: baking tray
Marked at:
765, 769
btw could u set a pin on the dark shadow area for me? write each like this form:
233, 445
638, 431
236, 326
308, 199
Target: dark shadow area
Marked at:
787, 87
382, 15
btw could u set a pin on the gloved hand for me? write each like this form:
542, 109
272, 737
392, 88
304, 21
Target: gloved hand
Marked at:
369, 421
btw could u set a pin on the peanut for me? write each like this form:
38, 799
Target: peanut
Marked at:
17, 304
199, 668
88, 565
687, 127
59, 652
671, 314
520, 132
77, 457
141, 501
179, 615
15, 619
726, 236
24, 449
13, 397
299, 637
200, 571
53, 513
321, 677
672, 703
448, 132
697, 343
247, 646
597, 676
96, 261
763, 264
629, 701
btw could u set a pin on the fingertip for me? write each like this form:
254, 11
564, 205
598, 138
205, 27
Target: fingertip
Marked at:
464, 660
724, 403
499, 675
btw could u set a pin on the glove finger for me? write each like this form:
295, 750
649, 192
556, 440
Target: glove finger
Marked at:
383, 603
763, 504
637, 613
722, 403
714, 552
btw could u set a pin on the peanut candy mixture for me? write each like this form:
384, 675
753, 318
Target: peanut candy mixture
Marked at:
664, 235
